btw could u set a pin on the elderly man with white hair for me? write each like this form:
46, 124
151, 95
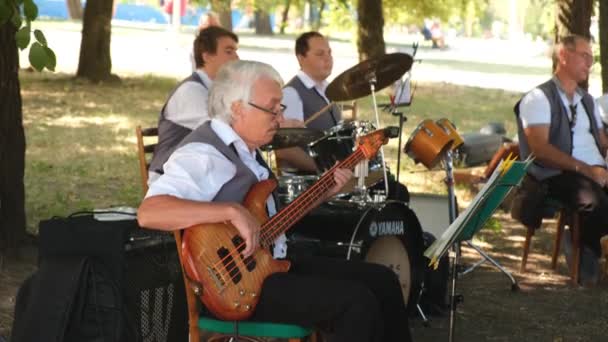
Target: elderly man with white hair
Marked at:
205, 181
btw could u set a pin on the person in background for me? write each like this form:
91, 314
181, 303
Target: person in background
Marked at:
560, 125
206, 180
186, 107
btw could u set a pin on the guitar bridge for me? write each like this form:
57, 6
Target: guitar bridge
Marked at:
217, 278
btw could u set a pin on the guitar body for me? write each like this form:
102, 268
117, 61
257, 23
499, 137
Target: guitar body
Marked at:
230, 285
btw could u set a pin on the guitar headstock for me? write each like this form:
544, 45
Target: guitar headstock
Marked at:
371, 143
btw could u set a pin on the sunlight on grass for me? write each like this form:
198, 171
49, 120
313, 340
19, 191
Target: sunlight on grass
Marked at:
81, 146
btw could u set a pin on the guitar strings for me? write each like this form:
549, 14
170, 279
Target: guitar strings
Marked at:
288, 214
312, 195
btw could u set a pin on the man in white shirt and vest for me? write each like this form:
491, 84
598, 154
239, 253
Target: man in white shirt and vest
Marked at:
186, 107
205, 181
304, 95
559, 123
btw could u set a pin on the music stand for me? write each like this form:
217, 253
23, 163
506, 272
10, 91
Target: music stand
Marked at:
507, 175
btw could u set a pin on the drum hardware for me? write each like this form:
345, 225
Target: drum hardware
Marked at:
364, 78
379, 196
292, 186
360, 191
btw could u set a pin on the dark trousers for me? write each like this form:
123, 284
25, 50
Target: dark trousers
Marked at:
578, 192
361, 302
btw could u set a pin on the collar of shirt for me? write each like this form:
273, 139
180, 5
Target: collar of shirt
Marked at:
310, 83
578, 93
208, 82
229, 136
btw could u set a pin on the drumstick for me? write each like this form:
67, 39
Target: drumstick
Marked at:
315, 115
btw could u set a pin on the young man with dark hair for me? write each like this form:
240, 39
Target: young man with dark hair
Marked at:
186, 107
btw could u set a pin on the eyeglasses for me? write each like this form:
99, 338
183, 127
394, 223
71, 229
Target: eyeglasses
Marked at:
585, 55
266, 110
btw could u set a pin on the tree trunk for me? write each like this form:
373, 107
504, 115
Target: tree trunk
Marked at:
12, 144
573, 17
370, 31
319, 17
74, 9
285, 16
222, 8
603, 40
95, 61
262, 23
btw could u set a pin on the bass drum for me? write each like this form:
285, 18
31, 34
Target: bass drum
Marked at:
386, 233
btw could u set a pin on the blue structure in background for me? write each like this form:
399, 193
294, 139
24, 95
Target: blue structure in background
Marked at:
56, 9
140, 13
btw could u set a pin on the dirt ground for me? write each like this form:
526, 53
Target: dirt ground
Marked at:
546, 307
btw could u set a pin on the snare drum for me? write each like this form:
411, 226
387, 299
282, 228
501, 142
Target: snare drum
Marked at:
338, 143
291, 187
428, 144
386, 233
451, 131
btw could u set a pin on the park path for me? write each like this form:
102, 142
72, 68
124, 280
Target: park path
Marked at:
485, 63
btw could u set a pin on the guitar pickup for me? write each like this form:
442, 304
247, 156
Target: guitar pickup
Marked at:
239, 244
229, 264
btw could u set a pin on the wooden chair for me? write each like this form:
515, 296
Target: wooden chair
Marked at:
144, 152
227, 331
565, 218
350, 110
231, 331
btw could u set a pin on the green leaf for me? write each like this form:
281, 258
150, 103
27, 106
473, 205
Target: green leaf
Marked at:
5, 12
22, 37
38, 57
52, 60
16, 19
30, 9
40, 37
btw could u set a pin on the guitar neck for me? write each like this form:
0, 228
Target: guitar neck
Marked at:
304, 203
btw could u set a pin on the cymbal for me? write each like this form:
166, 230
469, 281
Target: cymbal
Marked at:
290, 137
355, 82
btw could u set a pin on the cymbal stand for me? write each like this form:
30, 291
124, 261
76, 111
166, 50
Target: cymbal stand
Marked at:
372, 86
454, 298
361, 171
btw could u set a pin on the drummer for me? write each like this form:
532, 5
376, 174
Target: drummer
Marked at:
304, 95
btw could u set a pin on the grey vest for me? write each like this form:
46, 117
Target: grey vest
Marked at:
313, 102
170, 133
236, 188
560, 134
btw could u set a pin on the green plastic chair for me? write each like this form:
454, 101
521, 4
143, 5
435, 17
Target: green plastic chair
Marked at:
233, 331
245, 330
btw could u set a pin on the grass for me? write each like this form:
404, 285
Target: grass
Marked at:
81, 151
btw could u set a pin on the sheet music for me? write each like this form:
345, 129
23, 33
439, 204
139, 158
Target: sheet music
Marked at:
507, 174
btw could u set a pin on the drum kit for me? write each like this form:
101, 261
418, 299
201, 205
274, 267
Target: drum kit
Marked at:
360, 223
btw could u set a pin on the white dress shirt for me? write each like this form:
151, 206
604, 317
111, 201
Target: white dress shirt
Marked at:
293, 101
197, 172
188, 106
535, 109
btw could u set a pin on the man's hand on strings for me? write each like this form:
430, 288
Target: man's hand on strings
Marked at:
248, 227
341, 177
